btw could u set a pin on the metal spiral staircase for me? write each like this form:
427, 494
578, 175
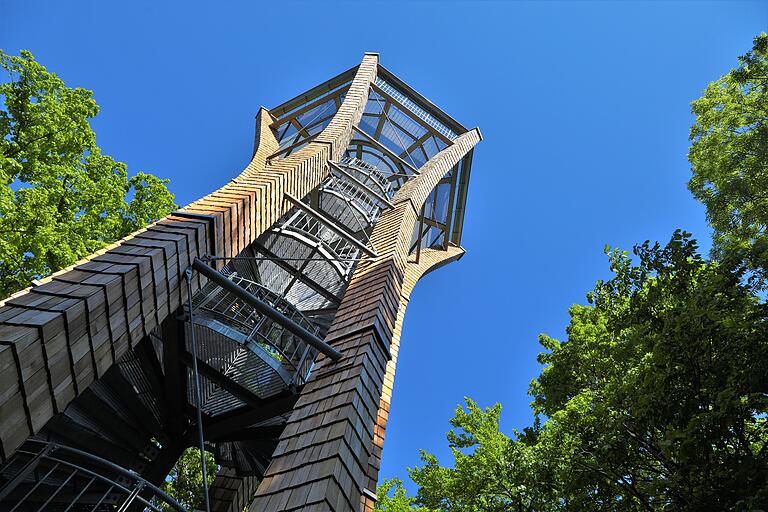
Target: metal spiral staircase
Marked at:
300, 268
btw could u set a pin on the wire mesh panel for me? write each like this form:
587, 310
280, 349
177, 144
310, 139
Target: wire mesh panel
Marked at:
406, 102
311, 261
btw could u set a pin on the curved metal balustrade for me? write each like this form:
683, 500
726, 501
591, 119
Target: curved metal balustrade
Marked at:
47, 476
338, 250
353, 196
368, 174
396, 170
246, 347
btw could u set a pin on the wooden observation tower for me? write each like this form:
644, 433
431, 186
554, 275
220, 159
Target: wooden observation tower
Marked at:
262, 320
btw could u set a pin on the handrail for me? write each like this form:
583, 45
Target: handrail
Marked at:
46, 452
381, 147
330, 224
374, 172
268, 296
336, 260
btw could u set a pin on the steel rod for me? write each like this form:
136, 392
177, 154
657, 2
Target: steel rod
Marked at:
196, 381
131, 475
266, 310
30, 466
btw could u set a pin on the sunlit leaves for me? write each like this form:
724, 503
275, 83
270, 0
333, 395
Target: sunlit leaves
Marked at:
185, 482
729, 155
60, 197
658, 391
392, 497
656, 400
490, 471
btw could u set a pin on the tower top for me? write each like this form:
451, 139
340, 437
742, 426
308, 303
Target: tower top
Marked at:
399, 131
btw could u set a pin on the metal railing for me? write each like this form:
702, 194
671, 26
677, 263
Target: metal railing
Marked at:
285, 348
340, 252
348, 204
48, 476
370, 174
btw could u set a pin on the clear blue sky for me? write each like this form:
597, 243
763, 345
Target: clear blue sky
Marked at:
584, 108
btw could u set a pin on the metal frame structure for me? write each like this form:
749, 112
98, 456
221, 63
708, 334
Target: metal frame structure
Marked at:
260, 323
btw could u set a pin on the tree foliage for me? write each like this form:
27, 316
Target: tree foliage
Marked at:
729, 156
490, 472
656, 400
185, 481
60, 197
391, 496
659, 392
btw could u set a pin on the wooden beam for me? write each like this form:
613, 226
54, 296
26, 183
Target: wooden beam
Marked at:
175, 378
307, 108
313, 93
251, 433
382, 119
458, 217
418, 142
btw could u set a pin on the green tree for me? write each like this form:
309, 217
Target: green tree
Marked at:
729, 157
490, 471
185, 481
60, 197
658, 397
657, 400
392, 497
